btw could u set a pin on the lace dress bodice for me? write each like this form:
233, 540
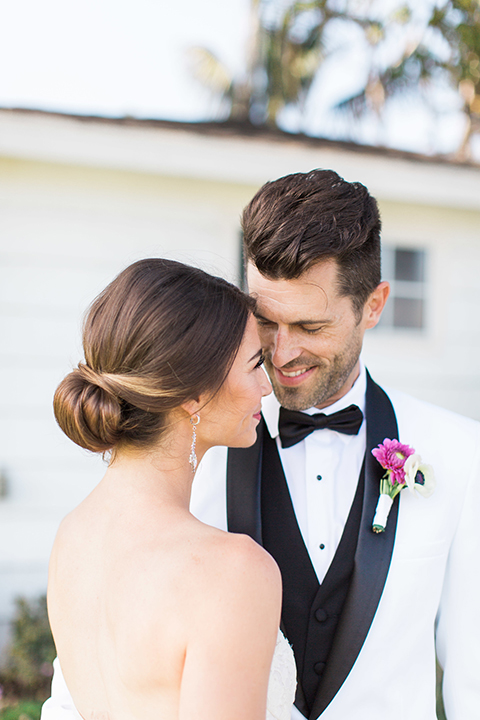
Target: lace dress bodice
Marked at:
283, 681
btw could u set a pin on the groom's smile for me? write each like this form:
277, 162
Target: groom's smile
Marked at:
291, 375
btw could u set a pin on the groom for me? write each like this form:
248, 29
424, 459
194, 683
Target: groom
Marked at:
363, 611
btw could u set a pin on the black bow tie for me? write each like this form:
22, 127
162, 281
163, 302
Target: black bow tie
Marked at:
295, 426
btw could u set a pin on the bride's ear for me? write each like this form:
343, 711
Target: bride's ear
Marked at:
191, 406
196, 405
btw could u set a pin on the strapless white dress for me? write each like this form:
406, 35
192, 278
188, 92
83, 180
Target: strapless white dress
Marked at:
283, 681
281, 688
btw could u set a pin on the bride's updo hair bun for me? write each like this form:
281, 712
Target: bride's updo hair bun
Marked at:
86, 412
160, 334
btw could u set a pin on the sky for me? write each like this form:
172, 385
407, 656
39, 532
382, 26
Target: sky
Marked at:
115, 57
130, 57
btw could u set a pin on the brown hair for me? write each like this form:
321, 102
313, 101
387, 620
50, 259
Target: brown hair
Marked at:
304, 218
160, 334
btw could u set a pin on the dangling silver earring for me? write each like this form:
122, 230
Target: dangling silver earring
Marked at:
195, 419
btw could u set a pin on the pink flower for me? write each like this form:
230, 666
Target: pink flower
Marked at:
391, 455
397, 476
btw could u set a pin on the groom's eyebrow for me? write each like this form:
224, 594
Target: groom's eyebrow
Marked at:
323, 321
259, 316
257, 355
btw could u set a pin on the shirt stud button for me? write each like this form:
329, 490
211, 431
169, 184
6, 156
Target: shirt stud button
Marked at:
319, 477
321, 546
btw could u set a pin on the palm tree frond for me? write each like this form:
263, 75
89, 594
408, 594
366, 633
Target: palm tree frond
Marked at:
209, 71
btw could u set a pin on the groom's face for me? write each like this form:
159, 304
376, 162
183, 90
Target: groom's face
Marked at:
311, 335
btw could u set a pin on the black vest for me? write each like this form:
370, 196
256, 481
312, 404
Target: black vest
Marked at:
310, 611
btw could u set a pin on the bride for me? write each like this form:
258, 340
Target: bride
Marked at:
155, 615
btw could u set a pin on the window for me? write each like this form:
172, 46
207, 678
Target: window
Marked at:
405, 270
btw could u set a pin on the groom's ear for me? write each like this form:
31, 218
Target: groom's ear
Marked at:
374, 306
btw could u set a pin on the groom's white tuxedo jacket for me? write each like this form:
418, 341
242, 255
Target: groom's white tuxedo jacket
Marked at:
430, 599
421, 594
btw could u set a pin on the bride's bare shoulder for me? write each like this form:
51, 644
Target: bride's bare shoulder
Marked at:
236, 553
234, 568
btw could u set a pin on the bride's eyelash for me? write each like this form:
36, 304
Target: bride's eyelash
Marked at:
260, 362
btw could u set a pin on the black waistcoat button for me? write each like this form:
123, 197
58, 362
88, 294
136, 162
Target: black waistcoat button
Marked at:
319, 667
321, 615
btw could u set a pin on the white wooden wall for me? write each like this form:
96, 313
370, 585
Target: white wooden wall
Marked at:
442, 363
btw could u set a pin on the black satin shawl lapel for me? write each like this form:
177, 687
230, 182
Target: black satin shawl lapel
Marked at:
372, 558
244, 467
244, 470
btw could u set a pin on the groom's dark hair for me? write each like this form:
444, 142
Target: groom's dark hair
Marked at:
301, 219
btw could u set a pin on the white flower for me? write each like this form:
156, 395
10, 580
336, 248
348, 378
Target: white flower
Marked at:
418, 476
411, 468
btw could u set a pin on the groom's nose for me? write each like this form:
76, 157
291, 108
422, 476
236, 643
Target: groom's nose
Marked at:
284, 347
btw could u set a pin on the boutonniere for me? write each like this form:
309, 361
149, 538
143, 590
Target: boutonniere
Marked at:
404, 468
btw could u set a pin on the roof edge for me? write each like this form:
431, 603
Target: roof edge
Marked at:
232, 128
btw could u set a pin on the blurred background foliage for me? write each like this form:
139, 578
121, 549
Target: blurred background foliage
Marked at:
26, 671
412, 49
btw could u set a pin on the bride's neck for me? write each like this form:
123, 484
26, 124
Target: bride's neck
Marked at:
160, 473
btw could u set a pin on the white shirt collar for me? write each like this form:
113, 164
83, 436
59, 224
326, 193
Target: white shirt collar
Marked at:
355, 396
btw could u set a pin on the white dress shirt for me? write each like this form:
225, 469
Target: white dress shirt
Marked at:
322, 472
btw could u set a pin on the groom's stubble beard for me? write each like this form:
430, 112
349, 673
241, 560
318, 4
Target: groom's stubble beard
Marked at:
328, 380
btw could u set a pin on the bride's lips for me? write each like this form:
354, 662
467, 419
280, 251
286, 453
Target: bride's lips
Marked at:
258, 416
295, 377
